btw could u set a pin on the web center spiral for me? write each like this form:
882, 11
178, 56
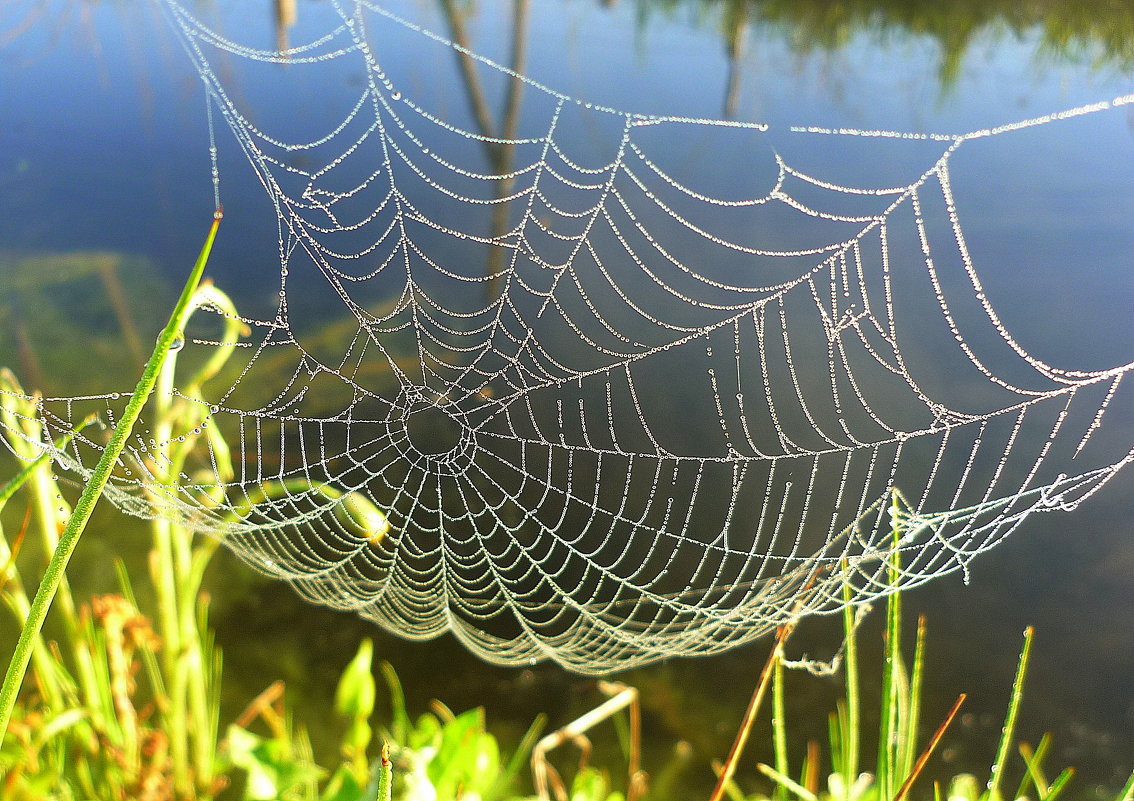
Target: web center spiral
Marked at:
433, 434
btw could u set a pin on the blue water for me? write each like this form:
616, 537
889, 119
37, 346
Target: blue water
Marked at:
104, 146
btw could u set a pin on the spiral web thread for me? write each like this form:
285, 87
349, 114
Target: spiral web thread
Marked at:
607, 416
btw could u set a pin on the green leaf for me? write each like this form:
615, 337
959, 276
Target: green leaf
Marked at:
590, 784
427, 732
400, 723
343, 786
354, 697
468, 758
270, 767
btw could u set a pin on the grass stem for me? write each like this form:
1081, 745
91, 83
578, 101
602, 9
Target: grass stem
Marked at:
750, 714
993, 787
56, 568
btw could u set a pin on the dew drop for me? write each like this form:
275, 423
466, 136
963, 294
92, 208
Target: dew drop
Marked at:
396, 95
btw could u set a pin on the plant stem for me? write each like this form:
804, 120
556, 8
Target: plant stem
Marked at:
56, 568
891, 664
993, 787
729, 766
779, 729
850, 737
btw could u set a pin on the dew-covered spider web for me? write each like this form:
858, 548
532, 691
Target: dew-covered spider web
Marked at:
576, 403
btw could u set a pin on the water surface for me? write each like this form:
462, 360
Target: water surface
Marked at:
104, 147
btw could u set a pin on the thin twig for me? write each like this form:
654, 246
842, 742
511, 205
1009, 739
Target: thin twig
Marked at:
921, 760
729, 767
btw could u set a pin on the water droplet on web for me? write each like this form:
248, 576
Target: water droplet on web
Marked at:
396, 95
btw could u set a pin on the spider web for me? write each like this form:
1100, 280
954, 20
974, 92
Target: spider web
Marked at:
582, 407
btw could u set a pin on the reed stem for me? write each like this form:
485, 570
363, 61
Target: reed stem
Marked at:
56, 568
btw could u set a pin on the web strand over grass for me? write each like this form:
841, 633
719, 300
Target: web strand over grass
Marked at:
590, 405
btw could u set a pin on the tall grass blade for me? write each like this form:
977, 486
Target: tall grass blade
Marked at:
913, 711
1127, 791
850, 729
892, 667
779, 728
993, 787
1057, 786
1034, 761
56, 568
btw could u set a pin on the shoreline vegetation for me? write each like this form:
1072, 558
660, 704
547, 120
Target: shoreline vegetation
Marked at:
1096, 32
123, 695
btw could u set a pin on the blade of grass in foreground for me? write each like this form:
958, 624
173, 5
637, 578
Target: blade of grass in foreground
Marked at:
93, 489
993, 787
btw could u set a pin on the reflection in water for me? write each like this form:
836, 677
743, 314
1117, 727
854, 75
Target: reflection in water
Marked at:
1099, 33
286, 16
495, 137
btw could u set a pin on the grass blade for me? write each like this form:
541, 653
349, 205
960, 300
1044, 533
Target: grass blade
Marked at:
913, 712
892, 666
779, 728
57, 567
786, 782
1034, 763
750, 714
1057, 786
1127, 791
1009, 730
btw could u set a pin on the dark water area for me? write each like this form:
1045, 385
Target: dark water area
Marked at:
104, 150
